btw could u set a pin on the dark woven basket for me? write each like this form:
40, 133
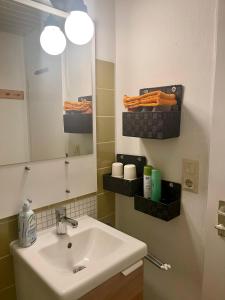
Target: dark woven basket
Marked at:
155, 125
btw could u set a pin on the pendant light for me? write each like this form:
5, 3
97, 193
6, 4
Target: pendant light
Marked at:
79, 27
52, 38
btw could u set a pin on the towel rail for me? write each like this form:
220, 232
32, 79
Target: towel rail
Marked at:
156, 262
220, 227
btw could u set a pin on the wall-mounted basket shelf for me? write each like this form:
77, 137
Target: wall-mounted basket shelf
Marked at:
126, 187
168, 208
75, 122
158, 124
85, 98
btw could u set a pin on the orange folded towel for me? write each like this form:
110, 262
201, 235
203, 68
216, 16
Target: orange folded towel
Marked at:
83, 106
156, 98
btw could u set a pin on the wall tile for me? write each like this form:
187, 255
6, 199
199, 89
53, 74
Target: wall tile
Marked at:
8, 293
105, 129
8, 233
105, 136
75, 208
100, 172
105, 105
105, 154
6, 272
9, 219
4, 241
105, 75
109, 220
106, 204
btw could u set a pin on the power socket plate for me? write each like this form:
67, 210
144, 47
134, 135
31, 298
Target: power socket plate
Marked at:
190, 175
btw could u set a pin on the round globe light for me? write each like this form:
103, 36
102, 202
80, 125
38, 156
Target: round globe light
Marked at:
79, 27
53, 40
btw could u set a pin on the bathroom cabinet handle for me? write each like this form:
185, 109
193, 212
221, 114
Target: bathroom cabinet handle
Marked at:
132, 268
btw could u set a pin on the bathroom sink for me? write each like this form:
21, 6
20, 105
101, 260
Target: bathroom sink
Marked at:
69, 266
82, 249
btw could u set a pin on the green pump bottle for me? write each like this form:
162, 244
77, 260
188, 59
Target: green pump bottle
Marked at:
156, 185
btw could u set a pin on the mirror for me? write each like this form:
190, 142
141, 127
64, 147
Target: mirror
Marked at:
46, 102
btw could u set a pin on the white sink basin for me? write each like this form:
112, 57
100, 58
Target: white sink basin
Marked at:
67, 267
88, 246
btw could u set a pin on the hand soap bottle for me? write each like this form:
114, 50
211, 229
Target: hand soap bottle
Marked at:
27, 225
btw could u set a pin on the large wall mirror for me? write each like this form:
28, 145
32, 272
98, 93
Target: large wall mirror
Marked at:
46, 101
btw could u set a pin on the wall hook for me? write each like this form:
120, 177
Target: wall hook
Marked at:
174, 89
67, 162
68, 191
27, 168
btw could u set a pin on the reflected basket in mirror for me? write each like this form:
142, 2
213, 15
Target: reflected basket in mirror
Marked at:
83, 105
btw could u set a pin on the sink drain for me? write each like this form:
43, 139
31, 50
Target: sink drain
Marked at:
77, 269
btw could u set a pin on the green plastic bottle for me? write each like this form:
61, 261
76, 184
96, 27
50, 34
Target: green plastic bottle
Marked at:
156, 185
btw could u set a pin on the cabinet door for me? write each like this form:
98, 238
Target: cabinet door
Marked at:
119, 287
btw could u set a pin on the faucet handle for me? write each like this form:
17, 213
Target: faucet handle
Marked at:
60, 212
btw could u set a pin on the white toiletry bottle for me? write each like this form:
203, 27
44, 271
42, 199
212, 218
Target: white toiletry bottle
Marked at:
27, 225
147, 182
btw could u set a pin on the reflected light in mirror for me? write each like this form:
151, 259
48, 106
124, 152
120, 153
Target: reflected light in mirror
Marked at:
53, 40
79, 27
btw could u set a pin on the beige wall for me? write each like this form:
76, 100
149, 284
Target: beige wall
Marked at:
102, 12
162, 43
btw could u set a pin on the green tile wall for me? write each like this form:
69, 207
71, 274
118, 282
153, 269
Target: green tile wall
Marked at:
105, 91
8, 233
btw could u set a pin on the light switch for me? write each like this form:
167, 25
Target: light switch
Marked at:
190, 175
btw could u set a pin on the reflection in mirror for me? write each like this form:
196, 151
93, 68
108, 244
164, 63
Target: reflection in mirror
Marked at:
45, 101
78, 98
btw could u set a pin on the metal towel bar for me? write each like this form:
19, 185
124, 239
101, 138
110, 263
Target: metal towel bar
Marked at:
220, 227
156, 262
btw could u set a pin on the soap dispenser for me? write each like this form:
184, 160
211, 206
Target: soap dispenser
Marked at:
27, 225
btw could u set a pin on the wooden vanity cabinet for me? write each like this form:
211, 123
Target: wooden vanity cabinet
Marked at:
119, 287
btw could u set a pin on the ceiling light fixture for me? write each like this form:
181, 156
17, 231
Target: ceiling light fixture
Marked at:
79, 27
52, 38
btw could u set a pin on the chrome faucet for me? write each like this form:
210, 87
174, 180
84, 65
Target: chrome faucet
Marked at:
62, 220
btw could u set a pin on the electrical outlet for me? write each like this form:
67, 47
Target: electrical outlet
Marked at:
190, 175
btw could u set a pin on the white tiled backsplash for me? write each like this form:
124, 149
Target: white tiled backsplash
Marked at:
74, 209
